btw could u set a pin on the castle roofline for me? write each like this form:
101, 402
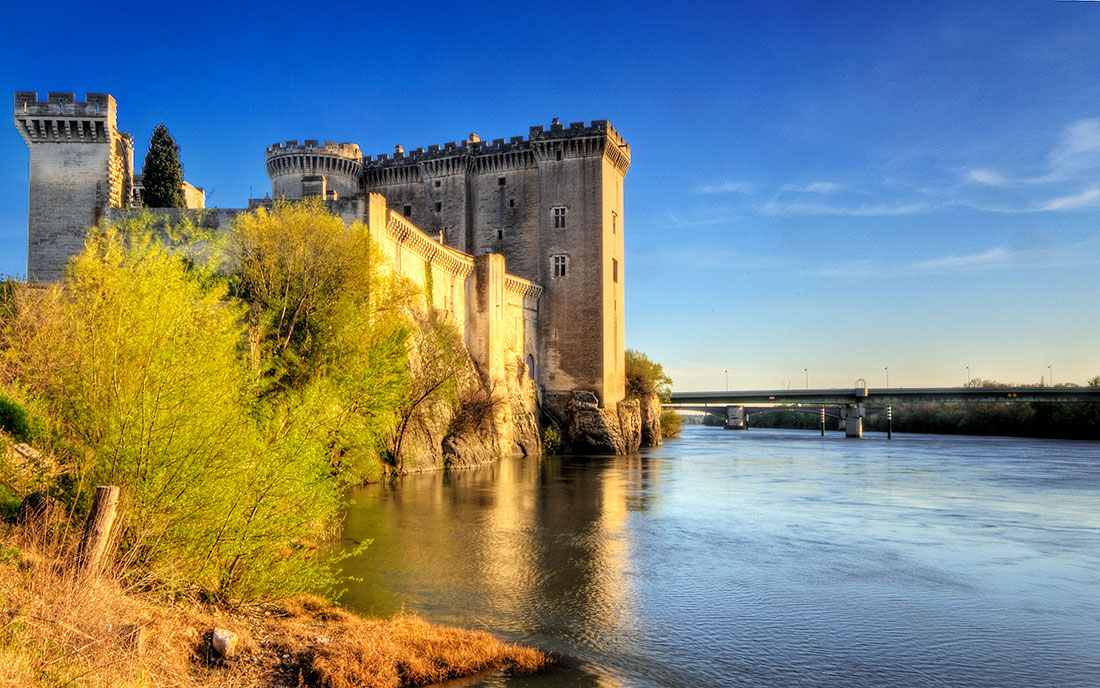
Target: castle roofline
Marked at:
313, 147
576, 130
63, 104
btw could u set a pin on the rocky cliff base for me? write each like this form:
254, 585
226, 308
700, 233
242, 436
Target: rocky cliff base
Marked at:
490, 420
587, 428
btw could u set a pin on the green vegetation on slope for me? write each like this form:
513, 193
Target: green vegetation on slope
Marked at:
233, 407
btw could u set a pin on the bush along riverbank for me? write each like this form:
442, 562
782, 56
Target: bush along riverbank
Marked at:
232, 386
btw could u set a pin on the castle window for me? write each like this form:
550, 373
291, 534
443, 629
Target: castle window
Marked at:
557, 155
500, 234
501, 181
511, 203
614, 221
559, 216
438, 206
408, 211
615, 270
437, 183
560, 265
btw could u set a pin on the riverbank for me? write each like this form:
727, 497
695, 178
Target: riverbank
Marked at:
57, 628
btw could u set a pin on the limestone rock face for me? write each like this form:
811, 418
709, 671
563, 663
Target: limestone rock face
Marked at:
651, 420
494, 420
589, 429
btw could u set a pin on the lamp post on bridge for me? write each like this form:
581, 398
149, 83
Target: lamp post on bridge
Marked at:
727, 379
967, 377
887, 369
807, 371
1051, 371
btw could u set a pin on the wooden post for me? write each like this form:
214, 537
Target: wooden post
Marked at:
98, 529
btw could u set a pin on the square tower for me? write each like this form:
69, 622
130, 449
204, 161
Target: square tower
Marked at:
80, 165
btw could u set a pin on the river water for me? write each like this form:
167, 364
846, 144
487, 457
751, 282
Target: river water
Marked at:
759, 558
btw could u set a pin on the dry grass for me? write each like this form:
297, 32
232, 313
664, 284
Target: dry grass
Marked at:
60, 629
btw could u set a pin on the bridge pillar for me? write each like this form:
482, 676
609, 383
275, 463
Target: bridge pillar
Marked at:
735, 417
852, 417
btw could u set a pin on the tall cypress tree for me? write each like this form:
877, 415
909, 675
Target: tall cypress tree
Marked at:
162, 175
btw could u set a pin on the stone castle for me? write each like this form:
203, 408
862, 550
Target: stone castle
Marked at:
451, 217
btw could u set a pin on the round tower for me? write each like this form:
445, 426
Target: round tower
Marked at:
330, 170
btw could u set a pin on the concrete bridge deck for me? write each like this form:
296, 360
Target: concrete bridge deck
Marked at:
891, 395
852, 402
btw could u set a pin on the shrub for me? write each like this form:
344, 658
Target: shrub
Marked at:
137, 359
671, 423
15, 420
551, 443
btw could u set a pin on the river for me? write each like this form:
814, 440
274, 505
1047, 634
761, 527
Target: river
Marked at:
758, 558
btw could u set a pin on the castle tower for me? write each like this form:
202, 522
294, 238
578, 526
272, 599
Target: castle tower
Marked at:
552, 205
80, 165
331, 170
580, 257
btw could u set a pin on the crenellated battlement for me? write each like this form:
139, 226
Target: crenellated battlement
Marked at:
314, 168
312, 147
599, 129
64, 105
62, 119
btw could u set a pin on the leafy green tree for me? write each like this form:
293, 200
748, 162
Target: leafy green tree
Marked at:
328, 321
644, 377
672, 423
162, 173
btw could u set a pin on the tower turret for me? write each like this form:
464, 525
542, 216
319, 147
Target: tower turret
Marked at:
80, 165
331, 170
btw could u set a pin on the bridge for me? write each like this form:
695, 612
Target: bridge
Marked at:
852, 402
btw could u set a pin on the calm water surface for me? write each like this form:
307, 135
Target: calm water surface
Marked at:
759, 558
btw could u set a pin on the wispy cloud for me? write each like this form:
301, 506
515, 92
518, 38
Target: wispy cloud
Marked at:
740, 187
987, 178
1079, 148
993, 258
863, 210
674, 220
846, 269
1042, 255
814, 187
1089, 197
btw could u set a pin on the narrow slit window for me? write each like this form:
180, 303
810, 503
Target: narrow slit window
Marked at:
511, 203
615, 270
500, 234
408, 211
438, 206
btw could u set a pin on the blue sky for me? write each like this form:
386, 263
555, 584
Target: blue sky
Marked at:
819, 190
